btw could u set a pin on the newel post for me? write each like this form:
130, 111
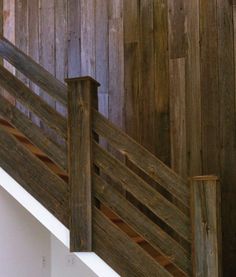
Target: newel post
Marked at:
82, 96
206, 226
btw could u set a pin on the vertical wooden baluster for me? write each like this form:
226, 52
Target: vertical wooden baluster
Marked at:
82, 95
206, 227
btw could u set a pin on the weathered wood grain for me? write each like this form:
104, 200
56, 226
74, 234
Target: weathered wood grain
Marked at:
30, 100
177, 28
205, 206
141, 224
178, 116
32, 70
193, 90
161, 82
56, 153
33, 175
149, 197
226, 52
137, 154
21, 40
209, 87
125, 256
80, 95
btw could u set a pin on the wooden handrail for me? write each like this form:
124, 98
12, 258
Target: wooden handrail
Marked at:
55, 152
150, 231
142, 158
30, 100
148, 196
33, 71
206, 228
33, 175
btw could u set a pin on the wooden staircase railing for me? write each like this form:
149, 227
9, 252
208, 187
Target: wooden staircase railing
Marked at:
79, 181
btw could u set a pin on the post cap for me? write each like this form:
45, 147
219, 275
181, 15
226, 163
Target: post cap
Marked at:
83, 78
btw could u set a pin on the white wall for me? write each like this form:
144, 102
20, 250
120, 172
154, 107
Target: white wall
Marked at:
63, 263
24, 242
27, 249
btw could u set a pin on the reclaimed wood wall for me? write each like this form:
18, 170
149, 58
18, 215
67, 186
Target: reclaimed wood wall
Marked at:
167, 74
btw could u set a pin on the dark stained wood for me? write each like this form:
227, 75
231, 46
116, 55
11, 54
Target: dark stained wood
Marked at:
145, 227
33, 175
149, 197
80, 95
226, 50
125, 256
137, 154
161, 82
193, 91
177, 30
209, 87
56, 153
205, 206
23, 94
32, 70
178, 116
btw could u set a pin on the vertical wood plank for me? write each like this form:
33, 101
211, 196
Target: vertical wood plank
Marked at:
21, 40
178, 116
74, 35
193, 90
162, 94
131, 69
33, 44
177, 30
147, 94
209, 86
61, 62
88, 57
228, 131
47, 41
205, 206
116, 63
81, 92
9, 33
102, 63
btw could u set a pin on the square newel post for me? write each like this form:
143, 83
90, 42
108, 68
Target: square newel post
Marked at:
206, 226
82, 96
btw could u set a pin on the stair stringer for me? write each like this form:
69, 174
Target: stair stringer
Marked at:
50, 222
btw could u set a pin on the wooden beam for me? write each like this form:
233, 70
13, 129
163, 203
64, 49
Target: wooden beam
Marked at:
32, 70
81, 92
206, 229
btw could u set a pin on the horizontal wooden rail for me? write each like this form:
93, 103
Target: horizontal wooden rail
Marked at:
142, 158
120, 252
206, 219
34, 176
55, 152
149, 197
141, 224
33, 71
30, 100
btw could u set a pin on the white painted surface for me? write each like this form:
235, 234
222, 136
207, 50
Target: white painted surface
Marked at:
91, 260
24, 242
63, 263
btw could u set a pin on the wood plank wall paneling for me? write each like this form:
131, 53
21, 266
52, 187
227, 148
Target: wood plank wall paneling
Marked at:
167, 74
226, 52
